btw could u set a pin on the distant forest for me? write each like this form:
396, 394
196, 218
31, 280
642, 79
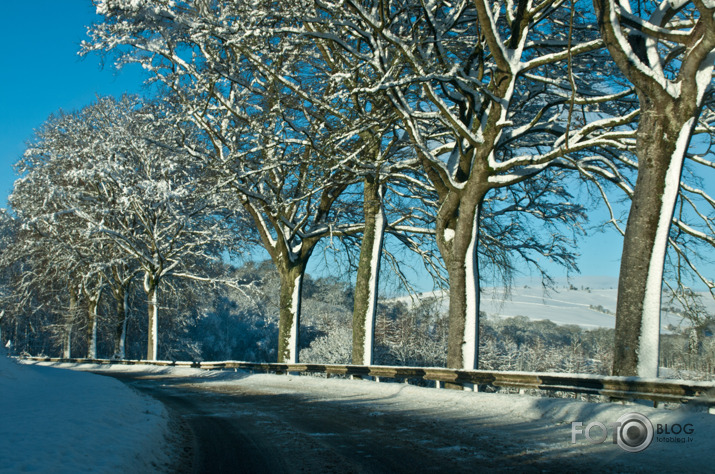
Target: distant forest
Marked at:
214, 323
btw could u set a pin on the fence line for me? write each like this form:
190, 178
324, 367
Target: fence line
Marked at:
620, 388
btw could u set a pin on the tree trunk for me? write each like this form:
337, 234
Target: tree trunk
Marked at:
368, 275
92, 327
120, 330
459, 243
669, 110
151, 287
291, 259
291, 277
67, 343
463, 270
662, 143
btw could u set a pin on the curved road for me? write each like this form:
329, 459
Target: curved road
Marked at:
246, 428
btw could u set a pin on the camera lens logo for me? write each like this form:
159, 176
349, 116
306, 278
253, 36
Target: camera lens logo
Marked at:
632, 432
635, 432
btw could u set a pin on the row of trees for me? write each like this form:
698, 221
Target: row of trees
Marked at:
109, 195
223, 323
454, 126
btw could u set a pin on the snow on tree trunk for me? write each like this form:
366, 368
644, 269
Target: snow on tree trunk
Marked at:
67, 349
123, 340
67, 346
662, 147
92, 328
463, 270
368, 276
290, 307
121, 353
151, 289
120, 330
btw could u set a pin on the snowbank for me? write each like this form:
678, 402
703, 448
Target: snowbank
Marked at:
61, 421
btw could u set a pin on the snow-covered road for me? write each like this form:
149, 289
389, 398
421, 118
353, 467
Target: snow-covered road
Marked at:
288, 423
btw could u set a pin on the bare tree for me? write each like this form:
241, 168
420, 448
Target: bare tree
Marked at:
486, 94
273, 148
667, 50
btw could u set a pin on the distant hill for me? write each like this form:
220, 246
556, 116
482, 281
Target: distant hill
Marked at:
589, 302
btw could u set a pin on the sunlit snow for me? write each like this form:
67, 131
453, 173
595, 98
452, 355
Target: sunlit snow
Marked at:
62, 421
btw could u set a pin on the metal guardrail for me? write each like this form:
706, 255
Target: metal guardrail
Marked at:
620, 388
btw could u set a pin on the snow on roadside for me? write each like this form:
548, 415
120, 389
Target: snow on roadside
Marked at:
62, 421
544, 425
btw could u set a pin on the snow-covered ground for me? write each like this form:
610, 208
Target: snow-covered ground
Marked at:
542, 425
589, 302
62, 421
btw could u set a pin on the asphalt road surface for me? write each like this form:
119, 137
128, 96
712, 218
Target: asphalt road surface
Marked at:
234, 428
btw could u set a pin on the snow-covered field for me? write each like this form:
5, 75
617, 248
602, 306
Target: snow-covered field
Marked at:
75, 420
62, 421
572, 302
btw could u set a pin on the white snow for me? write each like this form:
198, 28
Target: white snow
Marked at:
155, 323
92, 351
672, 88
67, 350
471, 326
295, 313
380, 223
705, 73
560, 305
542, 426
60, 421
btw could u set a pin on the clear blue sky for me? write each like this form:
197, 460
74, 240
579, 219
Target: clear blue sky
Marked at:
42, 73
